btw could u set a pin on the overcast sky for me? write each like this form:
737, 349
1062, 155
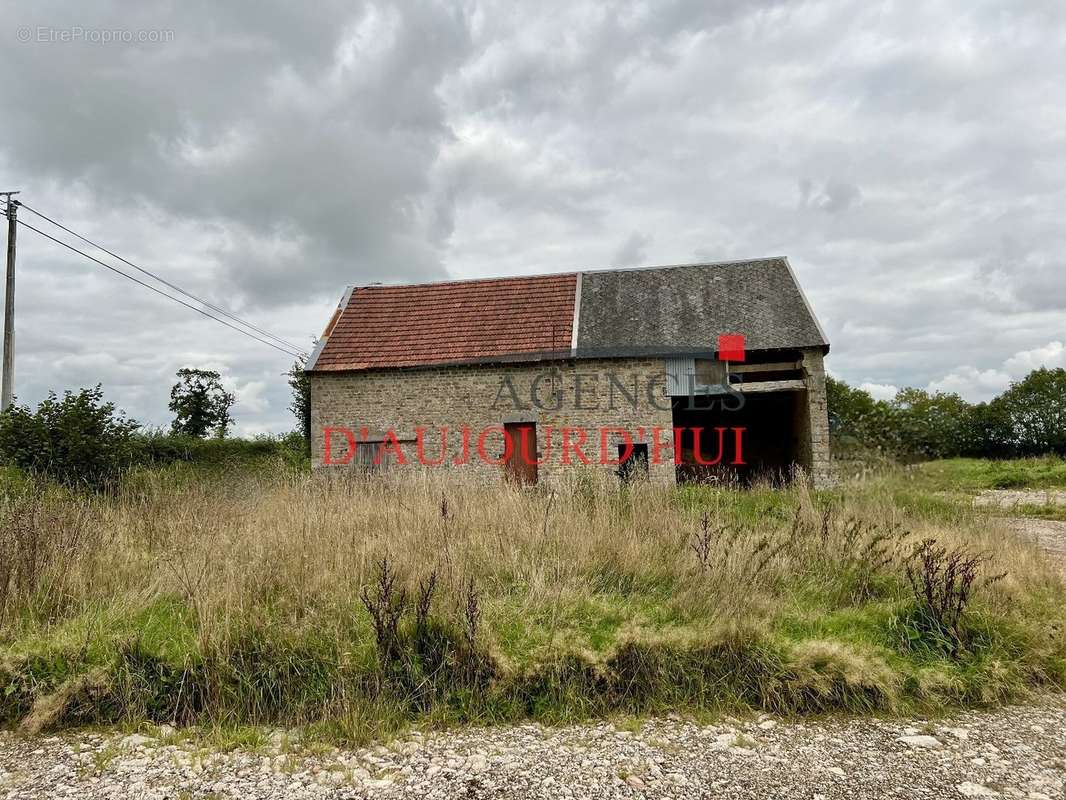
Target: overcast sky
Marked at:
909, 158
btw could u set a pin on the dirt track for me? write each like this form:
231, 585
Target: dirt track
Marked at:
1049, 534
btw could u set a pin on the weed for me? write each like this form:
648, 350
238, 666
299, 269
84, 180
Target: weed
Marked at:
427, 587
943, 582
471, 614
101, 758
701, 542
41, 535
386, 606
745, 742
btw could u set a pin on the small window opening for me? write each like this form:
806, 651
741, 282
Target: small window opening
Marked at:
367, 456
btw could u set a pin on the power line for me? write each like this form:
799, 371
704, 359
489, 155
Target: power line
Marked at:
293, 352
167, 283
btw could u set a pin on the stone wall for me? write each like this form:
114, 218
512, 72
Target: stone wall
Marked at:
815, 424
571, 395
587, 394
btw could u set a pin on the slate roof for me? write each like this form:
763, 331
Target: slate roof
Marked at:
685, 308
626, 312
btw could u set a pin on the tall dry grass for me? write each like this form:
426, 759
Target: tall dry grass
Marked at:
640, 581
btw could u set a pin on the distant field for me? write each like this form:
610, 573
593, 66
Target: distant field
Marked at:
264, 597
959, 480
974, 474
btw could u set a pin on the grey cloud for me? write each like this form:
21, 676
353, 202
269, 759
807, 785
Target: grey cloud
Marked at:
257, 119
1024, 273
833, 196
634, 250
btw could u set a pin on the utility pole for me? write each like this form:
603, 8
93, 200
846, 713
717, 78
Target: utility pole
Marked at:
8, 378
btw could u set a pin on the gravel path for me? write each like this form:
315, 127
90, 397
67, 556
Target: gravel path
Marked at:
1048, 533
1014, 752
1012, 498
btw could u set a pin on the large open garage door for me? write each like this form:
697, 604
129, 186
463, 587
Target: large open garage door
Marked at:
772, 443
767, 399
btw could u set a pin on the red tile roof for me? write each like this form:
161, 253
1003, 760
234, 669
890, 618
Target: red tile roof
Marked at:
452, 322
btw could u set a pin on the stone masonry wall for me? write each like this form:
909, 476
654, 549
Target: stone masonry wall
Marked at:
816, 423
457, 396
487, 396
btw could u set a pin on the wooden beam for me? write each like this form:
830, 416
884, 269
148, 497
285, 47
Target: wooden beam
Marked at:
778, 366
754, 387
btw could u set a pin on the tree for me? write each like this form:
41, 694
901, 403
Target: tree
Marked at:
1036, 406
200, 404
855, 414
79, 440
988, 433
301, 400
932, 425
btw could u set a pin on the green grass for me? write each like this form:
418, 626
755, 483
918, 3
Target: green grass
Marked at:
597, 656
1051, 511
973, 475
630, 625
943, 489
759, 506
811, 659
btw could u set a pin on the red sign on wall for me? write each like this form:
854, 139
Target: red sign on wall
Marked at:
731, 347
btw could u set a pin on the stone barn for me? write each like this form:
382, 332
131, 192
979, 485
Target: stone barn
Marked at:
678, 373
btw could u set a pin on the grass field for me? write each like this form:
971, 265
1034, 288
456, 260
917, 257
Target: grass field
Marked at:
355, 607
958, 480
975, 474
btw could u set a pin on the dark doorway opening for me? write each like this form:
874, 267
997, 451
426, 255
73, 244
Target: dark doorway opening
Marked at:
521, 464
635, 467
772, 443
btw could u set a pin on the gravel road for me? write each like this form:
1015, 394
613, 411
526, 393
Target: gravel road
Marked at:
1048, 533
1012, 752
1012, 498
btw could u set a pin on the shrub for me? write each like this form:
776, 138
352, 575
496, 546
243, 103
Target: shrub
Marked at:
855, 418
300, 384
931, 425
155, 448
79, 440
